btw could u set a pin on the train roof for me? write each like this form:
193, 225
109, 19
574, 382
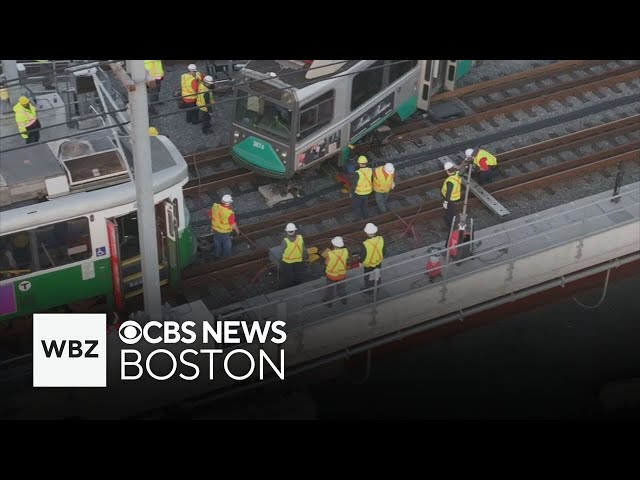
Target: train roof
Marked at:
298, 74
55, 180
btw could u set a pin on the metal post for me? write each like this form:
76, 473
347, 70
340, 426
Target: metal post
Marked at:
616, 188
10, 69
144, 190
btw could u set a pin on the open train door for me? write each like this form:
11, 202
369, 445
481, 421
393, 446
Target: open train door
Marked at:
168, 229
116, 271
425, 84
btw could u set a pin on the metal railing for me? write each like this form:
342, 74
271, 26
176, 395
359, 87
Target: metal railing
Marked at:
504, 247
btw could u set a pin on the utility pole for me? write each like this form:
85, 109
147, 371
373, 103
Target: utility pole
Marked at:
144, 189
10, 69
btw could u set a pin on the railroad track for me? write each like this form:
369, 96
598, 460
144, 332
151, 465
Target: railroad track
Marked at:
522, 169
487, 105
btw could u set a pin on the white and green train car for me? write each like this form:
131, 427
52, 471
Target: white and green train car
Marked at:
68, 225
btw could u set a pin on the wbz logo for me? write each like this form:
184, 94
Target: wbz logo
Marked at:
69, 350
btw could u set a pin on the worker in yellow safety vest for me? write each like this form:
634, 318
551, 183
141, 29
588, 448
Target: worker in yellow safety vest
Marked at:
189, 83
336, 271
362, 187
223, 222
293, 255
484, 162
383, 183
156, 72
371, 256
205, 102
451, 192
27, 120
153, 132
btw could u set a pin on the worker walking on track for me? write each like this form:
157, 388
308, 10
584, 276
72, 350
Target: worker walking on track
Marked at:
156, 72
371, 256
383, 183
223, 222
205, 102
362, 187
336, 271
483, 161
27, 120
189, 83
451, 192
293, 256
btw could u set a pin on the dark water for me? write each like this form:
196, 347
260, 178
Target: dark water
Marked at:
547, 363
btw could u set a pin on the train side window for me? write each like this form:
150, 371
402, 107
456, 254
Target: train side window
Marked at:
366, 84
15, 255
64, 242
398, 68
316, 114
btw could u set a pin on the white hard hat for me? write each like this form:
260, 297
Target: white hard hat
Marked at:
370, 228
468, 152
337, 242
192, 67
388, 167
290, 228
208, 79
449, 165
227, 199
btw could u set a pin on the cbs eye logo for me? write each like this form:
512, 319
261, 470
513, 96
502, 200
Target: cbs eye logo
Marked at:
130, 332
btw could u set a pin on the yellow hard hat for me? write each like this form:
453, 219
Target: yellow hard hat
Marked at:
362, 160
153, 131
23, 100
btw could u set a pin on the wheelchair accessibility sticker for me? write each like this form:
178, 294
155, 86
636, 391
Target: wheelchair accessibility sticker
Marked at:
101, 251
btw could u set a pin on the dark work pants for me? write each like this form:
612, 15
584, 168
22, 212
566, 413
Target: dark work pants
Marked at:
450, 212
486, 177
360, 206
291, 274
330, 291
368, 283
192, 113
34, 133
205, 119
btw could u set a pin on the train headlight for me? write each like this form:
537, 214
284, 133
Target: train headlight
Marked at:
236, 134
284, 154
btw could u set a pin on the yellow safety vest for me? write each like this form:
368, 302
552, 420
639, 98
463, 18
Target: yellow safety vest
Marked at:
188, 93
457, 182
220, 218
25, 117
382, 181
374, 251
154, 68
201, 99
293, 252
363, 186
491, 159
337, 264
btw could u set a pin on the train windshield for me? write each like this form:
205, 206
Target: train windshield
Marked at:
257, 113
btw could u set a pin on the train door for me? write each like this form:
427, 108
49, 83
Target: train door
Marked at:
124, 243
